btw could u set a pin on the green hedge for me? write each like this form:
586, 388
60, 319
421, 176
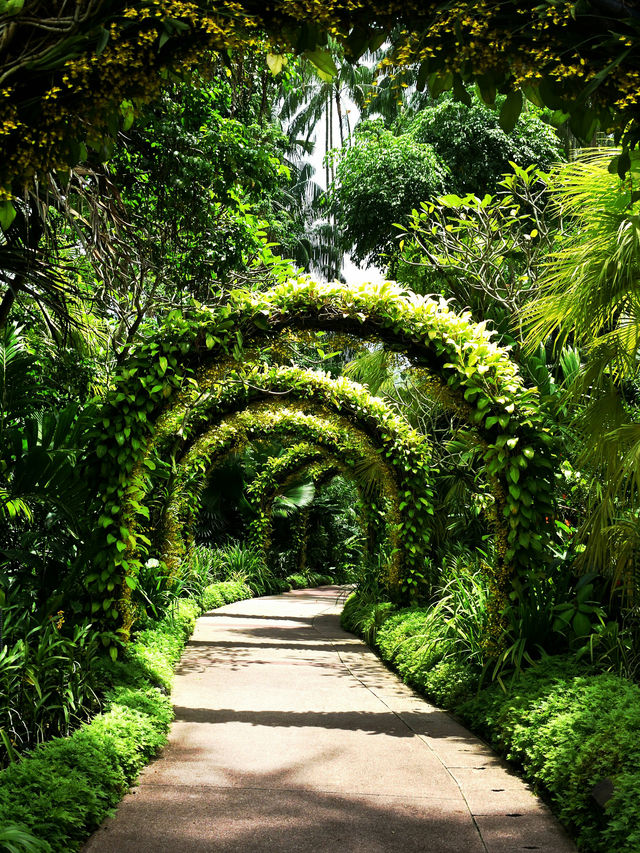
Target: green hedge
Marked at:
570, 730
303, 580
567, 727
57, 795
424, 657
224, 592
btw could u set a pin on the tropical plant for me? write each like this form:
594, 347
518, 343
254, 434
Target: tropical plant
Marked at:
380, 178
17, 839
484, 253
589, 299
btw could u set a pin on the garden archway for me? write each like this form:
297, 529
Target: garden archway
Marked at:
318, 436
169, 380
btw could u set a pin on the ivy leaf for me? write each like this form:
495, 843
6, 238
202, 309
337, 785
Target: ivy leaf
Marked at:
323, 62
7, 214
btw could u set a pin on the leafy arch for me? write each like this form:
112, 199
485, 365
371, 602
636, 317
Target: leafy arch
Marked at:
224, 389
318, 437
175, 383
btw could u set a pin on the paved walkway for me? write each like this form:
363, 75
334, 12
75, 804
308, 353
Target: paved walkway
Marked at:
291, 736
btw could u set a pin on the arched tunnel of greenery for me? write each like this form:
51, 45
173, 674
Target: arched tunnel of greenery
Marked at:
319, 438
201, 402
472, 375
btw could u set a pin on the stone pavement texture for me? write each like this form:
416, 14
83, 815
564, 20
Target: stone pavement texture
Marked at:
291, 736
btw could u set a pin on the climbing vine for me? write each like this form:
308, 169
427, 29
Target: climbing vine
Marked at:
192, 372
326, 434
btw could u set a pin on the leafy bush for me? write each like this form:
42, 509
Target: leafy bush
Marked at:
62, 791
570, 730
566, 726
303, 580
224, 592
47, 683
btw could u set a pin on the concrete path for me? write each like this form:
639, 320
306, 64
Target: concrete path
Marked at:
291, 736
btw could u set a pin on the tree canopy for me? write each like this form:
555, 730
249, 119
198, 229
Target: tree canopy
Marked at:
71, 77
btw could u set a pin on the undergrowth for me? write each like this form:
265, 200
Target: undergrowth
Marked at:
567, 726
54, 797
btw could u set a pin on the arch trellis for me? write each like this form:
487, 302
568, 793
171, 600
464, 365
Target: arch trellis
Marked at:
320, 467
470, 374
222, 390
315, 435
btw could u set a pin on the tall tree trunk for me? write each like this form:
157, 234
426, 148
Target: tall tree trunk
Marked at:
327, 110
6, 305
340, 120
330, 140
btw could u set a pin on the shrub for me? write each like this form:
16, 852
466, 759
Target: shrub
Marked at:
569, 730
568, 727
303, 580
224, 592
62, 791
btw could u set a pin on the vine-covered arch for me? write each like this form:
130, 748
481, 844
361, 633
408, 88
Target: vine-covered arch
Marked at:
316, 436
173, 374
222, 390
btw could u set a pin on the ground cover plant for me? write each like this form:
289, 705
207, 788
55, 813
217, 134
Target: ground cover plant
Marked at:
54, 795
566, 717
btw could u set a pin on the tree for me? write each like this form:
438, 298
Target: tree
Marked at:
477, 151
379, 180
483, 253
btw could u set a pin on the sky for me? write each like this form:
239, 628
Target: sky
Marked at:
352, 273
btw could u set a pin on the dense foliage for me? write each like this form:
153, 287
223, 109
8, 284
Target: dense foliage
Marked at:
70, 86
476, 150
187, 418
381, 171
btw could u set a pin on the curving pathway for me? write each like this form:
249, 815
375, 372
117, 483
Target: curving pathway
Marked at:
291, 736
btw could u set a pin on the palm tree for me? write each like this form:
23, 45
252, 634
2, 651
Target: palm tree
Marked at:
590, 298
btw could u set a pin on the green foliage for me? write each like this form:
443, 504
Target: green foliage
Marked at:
438, 649
570, 730
195, 178
225, 592
475, 149
589, 299
379, 179
16, 839
474, 378
308, 579
483, 252
55, 109
48, 683
405, 451
156, 650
